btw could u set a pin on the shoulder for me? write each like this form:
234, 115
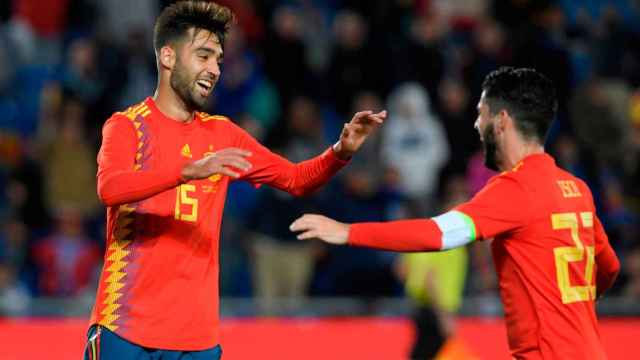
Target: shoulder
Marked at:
208, 118
130, 118
218, 122
215, 121
508, 178
504, 185
133, 112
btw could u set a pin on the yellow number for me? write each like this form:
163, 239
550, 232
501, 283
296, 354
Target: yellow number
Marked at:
567, 254
182, 198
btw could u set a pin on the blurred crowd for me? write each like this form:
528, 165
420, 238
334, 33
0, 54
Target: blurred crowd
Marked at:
294, 72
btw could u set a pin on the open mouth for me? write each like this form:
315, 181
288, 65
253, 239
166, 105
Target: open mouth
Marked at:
205, 86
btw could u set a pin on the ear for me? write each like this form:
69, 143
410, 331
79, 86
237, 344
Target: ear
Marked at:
504, 121
167, 57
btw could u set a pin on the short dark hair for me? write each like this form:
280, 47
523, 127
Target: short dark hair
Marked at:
176, 19
527, 95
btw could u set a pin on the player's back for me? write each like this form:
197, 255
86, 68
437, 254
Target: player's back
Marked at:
546, 266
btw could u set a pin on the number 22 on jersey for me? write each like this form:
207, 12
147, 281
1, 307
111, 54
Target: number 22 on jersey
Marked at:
564, 255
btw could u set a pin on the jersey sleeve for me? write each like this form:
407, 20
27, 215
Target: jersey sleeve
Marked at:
118, 181
272, 169
500, 207
607, 263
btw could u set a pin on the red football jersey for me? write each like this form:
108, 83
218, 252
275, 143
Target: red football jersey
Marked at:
546, 240
550, 251
159, 283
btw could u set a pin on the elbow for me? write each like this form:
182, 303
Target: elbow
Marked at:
298, 193
301, 191
105, 199
615, 269
105, 195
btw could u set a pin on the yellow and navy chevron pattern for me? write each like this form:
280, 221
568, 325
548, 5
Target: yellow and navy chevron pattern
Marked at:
120, 246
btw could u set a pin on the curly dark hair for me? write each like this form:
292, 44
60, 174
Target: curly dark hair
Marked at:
176, 19
527, 95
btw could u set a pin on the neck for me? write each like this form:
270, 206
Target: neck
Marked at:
170, 104
515, 153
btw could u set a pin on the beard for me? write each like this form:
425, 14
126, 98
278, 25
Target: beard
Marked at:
185, 87
490, 148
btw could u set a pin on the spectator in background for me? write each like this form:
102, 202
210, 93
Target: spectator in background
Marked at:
567, 155
14, 297
621, 222
599, 117
486, 52
67, 260
140, 68
632, 167
284, 54
631, 289
244, 88
81, 75
37, 28
368, 162
14, 248
456, 113
117, 17
354, 65
415, 144
25, 192
435, 282
423, 60
69, 155
246, 15
540, 43
282, 265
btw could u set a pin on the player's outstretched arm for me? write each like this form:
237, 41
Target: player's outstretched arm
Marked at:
443, 232
307, 176
355, 132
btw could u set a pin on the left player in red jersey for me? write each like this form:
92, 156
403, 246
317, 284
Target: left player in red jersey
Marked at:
550, 251
164, 169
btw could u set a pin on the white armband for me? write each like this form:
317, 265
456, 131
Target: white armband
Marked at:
457, 229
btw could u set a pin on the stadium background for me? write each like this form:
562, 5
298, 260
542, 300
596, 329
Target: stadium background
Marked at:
294, 71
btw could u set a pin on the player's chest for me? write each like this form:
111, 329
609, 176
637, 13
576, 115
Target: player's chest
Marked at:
174, 148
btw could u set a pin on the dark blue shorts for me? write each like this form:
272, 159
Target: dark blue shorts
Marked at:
103, 344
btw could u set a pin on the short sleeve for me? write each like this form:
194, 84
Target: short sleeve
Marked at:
500, 207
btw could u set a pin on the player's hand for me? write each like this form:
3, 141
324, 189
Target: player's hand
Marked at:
311, 226
229, 161
355, 132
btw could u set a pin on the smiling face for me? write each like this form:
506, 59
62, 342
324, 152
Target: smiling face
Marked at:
197, 68
486, 128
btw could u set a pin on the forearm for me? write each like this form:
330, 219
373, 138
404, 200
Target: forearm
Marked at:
403, 235
305, 177
122, 187
447, 231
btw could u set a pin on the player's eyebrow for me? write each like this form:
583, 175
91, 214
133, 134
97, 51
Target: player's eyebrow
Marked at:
209, 50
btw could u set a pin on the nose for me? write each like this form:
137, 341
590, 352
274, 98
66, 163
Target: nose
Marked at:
214, 70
